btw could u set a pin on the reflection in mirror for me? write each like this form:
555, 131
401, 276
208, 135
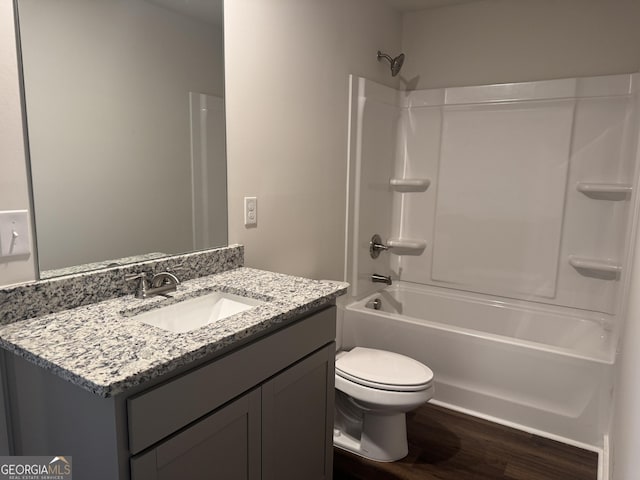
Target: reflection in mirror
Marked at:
125, 115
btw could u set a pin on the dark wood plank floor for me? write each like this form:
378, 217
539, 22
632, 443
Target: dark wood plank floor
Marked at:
447, 445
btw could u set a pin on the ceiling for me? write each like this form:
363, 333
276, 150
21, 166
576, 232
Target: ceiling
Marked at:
413, 5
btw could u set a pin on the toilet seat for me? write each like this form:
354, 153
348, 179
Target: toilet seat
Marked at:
383, 370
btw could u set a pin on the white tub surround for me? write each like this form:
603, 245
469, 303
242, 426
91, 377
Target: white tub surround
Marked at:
520, 197
518, 190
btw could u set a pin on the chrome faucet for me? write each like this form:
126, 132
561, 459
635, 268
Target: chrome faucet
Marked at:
160, 284
377, 278
376, 246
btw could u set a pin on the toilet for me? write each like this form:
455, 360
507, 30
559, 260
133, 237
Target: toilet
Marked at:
374, 390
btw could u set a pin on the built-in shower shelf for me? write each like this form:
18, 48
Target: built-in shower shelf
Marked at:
405, 246
608, 268
605, 191
410, 184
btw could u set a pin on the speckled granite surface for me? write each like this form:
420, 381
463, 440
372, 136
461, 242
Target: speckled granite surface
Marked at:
88, 267
101, 348
57, 294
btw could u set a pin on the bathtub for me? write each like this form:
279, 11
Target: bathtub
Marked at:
543, 369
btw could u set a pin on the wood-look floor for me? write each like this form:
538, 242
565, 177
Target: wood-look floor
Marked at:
447, 445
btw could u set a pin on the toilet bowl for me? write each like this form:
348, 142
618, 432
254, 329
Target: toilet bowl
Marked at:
374, 390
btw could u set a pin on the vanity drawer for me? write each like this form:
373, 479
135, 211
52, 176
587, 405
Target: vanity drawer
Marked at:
158, 412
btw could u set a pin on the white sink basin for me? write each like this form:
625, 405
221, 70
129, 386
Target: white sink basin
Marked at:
196, 312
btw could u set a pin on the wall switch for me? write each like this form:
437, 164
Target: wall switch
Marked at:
14, 233
250, 211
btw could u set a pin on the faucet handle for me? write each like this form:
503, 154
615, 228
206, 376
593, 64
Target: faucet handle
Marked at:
130, 277
144, 284
376, 246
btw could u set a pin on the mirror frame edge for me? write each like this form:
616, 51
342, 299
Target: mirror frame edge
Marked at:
25, 139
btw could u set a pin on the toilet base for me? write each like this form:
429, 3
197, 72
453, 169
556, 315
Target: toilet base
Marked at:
383, 438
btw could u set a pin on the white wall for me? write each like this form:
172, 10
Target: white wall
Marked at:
107, 92
287, 67
498, 41
13, 174
625, 429
625, 437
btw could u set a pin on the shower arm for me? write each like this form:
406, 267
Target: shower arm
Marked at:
394, 63
384, 55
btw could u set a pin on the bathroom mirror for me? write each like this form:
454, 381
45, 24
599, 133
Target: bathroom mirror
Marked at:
125, 117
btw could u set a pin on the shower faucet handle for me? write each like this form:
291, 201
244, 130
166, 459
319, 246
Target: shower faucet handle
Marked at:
376, 246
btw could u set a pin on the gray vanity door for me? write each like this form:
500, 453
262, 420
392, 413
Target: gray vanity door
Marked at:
297, 420
225, 445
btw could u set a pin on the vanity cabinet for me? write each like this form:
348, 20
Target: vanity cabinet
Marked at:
297, 420
260, 411
277, 431
225, 445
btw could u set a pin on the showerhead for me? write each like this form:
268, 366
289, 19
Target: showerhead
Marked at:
396, 63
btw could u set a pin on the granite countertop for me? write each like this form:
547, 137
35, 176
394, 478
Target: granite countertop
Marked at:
87, 267
100, 348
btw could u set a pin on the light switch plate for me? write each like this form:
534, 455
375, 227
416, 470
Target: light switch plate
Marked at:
14, 233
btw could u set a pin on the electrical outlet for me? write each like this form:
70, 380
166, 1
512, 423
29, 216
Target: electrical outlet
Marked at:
14, 233
250, 211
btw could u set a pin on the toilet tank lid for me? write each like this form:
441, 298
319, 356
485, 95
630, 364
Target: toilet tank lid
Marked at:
383, 367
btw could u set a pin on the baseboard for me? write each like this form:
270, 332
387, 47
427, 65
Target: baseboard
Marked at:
604, 466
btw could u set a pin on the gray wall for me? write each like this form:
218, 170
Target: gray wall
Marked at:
287, 68
499, 41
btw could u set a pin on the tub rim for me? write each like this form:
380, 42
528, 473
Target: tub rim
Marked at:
606, 357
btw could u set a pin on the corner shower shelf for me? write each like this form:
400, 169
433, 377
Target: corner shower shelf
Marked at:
605, 268
605, 191
410, 184
405, 246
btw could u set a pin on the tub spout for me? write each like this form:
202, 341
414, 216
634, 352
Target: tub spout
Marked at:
375, 304
377, 278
